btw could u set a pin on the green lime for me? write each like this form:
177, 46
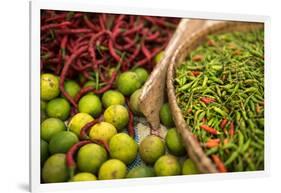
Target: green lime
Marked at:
91, 83
55, 169
174, 143
112, 97
141, 172
166, 115
90, 157
117, 115
128, 82
189, 167
62, 141
159, 57
71, 87
142, 74
102, 131
83, 176
58, 108
43, 151
49, 86
90, 104
78, 121
167, 165
135, 101
123, 147
151, 148
50, 127
112, 169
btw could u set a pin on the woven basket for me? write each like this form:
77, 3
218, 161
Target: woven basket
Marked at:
196, 153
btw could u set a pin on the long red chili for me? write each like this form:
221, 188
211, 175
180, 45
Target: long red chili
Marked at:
99, 91
223, 123
220, 165
64, 72
209, 129
85, 129
212, 143
131, 130
231, 129
70, 162
55, 25
207, 100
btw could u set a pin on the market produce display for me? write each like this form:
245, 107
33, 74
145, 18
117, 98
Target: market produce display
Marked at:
220, 91
93, 67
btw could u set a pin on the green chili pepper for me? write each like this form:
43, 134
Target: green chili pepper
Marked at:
232, 73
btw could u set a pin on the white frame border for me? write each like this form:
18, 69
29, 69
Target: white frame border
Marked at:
91, 6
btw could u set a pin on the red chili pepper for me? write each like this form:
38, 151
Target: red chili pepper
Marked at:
55, 25
209, 129
73, 31
196, 73
220, 165
207, 100
231, 129
70, 162
85, 129
131, 129
197, 58
64, 71
212, 143
99, 91
223, 124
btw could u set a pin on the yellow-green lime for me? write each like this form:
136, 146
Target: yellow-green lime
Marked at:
159, 57
83, 176
167, 165
71, 87
141, 172
55, 169
62, 141
49, 86
123, 147
91, 83
117, 115
189, 167
166, 115
43, 151
78, 121
102, 131
112, 169
142, 74
112, 97
134, 102
151, 148
58, 108
90, 104
128, 82
50, 127
90, 157
174, 143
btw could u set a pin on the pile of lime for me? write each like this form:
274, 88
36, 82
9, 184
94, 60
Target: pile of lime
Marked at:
60, 130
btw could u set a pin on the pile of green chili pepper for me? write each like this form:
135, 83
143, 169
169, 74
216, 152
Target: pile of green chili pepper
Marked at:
220, 90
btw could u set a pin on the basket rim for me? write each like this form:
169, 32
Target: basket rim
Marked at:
194, 149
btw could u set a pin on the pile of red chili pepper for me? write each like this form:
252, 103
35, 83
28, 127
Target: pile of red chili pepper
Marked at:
74, 43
